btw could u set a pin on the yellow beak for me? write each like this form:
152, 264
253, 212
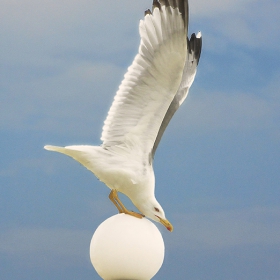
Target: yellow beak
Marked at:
166, 223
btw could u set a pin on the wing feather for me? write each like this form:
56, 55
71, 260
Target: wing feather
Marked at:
189, 72
151, 82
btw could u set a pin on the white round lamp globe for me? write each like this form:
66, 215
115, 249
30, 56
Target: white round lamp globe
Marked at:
125, 247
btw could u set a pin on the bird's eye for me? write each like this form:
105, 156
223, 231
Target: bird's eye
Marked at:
157, 209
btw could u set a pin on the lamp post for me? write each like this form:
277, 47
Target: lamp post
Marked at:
125, 247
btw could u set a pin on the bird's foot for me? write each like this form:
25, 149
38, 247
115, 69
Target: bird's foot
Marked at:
134, 214
115, 199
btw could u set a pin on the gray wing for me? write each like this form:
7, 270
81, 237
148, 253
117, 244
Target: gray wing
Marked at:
194, 50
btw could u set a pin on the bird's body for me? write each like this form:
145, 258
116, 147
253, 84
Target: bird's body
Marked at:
118, 170
154, 87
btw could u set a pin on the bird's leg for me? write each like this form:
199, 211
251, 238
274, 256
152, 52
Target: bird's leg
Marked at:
113, 196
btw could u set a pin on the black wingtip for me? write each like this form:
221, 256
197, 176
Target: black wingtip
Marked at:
156, 4
182, 5
148, 12
195, 45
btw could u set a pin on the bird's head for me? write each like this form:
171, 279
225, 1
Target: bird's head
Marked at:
154, 211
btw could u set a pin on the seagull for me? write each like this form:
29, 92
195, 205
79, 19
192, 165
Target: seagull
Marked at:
153, 88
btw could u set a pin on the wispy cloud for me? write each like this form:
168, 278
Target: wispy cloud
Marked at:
225, 229
62, 64
45, 88
45, 247
54, 103
250, 23
213, 8
250, 112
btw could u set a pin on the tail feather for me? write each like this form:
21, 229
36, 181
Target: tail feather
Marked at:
78, 152
54, 148
88, 156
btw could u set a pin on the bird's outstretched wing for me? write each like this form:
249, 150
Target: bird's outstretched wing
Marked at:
194, 50
151, 82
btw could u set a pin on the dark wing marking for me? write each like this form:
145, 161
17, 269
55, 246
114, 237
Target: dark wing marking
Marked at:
194, 51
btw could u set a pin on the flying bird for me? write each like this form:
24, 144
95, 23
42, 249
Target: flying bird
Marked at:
154, 87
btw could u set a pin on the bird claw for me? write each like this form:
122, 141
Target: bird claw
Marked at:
134, 214
137, 215
114, 198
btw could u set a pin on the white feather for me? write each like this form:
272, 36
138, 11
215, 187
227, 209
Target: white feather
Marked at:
149, 85
153, 88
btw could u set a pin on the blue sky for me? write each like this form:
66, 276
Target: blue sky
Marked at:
217, 167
